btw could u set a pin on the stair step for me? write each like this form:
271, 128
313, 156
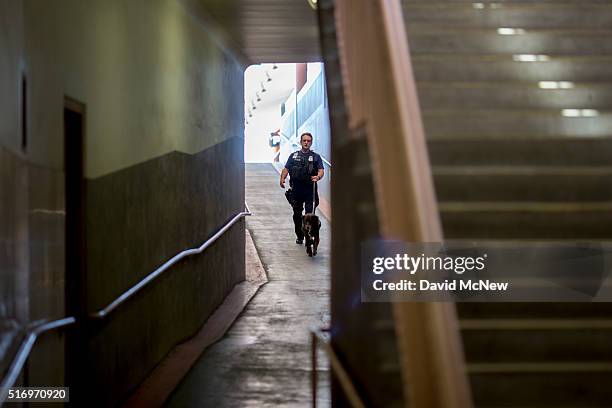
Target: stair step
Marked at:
541, 387
521, 151
537, 340
515, 324
523, 15
502, 67
552, 368
410, 2
536, 324
514, 95
460, 123
428, 39
514, 220
527, 207
553, 310
512, 183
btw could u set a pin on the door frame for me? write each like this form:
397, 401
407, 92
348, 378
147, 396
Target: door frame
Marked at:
75, 289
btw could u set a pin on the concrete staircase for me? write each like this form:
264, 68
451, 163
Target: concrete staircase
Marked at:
516, 97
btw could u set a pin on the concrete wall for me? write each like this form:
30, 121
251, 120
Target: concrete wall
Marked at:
313, 117
14, 213
163, 164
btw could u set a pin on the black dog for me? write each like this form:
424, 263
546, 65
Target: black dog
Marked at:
310, 227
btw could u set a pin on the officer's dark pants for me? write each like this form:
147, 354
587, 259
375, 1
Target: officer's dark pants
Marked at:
302, 198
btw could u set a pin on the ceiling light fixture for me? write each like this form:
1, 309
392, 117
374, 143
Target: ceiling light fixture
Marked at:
313, 4
579, 113
555, 85
530, 58
481, 6
510, 31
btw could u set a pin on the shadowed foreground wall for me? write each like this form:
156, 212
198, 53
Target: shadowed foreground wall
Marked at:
164, 170
140, 217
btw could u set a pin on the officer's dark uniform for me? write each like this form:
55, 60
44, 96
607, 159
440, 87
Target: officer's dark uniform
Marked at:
302, 166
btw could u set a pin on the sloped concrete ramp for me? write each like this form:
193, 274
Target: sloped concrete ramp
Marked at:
264, 359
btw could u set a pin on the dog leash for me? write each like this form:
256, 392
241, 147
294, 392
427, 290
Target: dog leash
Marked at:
314, 195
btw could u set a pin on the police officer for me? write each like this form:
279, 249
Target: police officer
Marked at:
305, 168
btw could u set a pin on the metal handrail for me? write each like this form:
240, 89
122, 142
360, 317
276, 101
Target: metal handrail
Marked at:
24, 351
316, 337
102, 313
38, 329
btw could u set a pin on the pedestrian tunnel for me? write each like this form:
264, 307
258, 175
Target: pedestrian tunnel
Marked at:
148, 255
269, 343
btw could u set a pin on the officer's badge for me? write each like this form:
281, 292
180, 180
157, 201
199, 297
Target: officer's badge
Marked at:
309, 158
